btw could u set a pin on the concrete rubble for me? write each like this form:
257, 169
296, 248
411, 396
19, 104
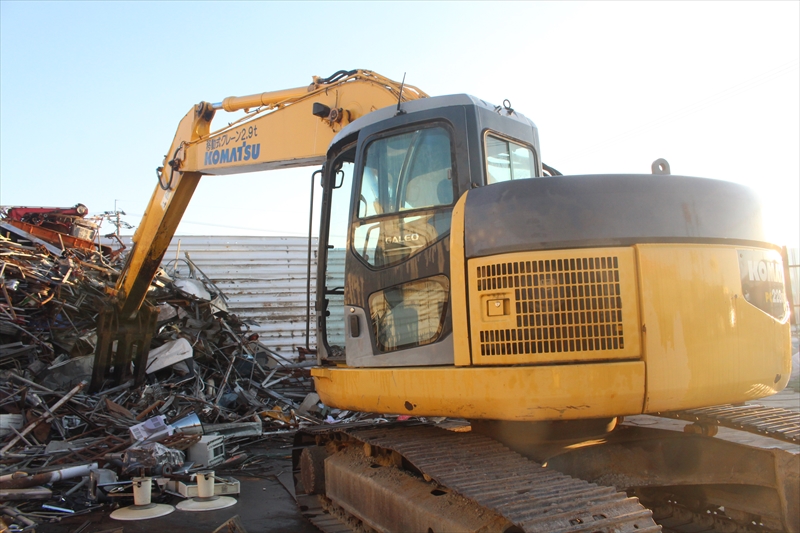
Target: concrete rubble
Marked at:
211, 389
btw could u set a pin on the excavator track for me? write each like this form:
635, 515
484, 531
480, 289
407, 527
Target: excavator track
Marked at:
774, 422
478, 468
672, 517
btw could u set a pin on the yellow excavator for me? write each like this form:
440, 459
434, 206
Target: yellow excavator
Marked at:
581, 347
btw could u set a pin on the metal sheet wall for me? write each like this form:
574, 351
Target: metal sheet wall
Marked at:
264, 279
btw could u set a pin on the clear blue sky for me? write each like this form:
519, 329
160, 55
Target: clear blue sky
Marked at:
91, 92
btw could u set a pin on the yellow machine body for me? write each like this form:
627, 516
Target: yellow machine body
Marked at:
601, 331
668, 328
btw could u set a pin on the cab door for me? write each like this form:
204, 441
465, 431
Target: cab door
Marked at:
397, 287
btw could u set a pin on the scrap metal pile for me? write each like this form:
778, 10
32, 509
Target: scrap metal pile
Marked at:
211, 387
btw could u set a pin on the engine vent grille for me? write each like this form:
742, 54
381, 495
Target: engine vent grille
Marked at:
562, 305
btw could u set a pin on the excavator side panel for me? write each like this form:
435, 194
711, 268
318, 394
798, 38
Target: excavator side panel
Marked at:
705, 342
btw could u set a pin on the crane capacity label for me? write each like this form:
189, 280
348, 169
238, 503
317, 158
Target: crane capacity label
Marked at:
225, 148
761, 272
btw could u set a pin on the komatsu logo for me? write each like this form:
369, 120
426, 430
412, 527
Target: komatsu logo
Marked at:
765, 271
763, 285
245, 152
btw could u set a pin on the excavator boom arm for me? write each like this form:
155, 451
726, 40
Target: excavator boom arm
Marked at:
281, 129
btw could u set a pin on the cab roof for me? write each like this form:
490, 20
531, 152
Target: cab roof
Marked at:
426, 104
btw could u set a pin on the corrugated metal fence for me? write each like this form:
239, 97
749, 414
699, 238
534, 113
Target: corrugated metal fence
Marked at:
264, 279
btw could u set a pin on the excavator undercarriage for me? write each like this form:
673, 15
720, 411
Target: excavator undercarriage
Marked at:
684, 472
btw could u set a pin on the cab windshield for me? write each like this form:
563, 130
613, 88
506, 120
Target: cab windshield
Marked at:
412, 172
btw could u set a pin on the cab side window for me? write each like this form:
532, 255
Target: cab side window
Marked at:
507, 160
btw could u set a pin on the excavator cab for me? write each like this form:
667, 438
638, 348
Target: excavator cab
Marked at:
384, 259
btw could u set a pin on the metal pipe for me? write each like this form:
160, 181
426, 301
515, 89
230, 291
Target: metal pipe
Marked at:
59, 509
47, 477
75, 489
16, 515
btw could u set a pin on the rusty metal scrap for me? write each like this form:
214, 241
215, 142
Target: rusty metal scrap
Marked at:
206, 374
44, 418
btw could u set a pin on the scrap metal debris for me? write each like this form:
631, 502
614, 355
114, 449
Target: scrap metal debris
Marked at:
211, 389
